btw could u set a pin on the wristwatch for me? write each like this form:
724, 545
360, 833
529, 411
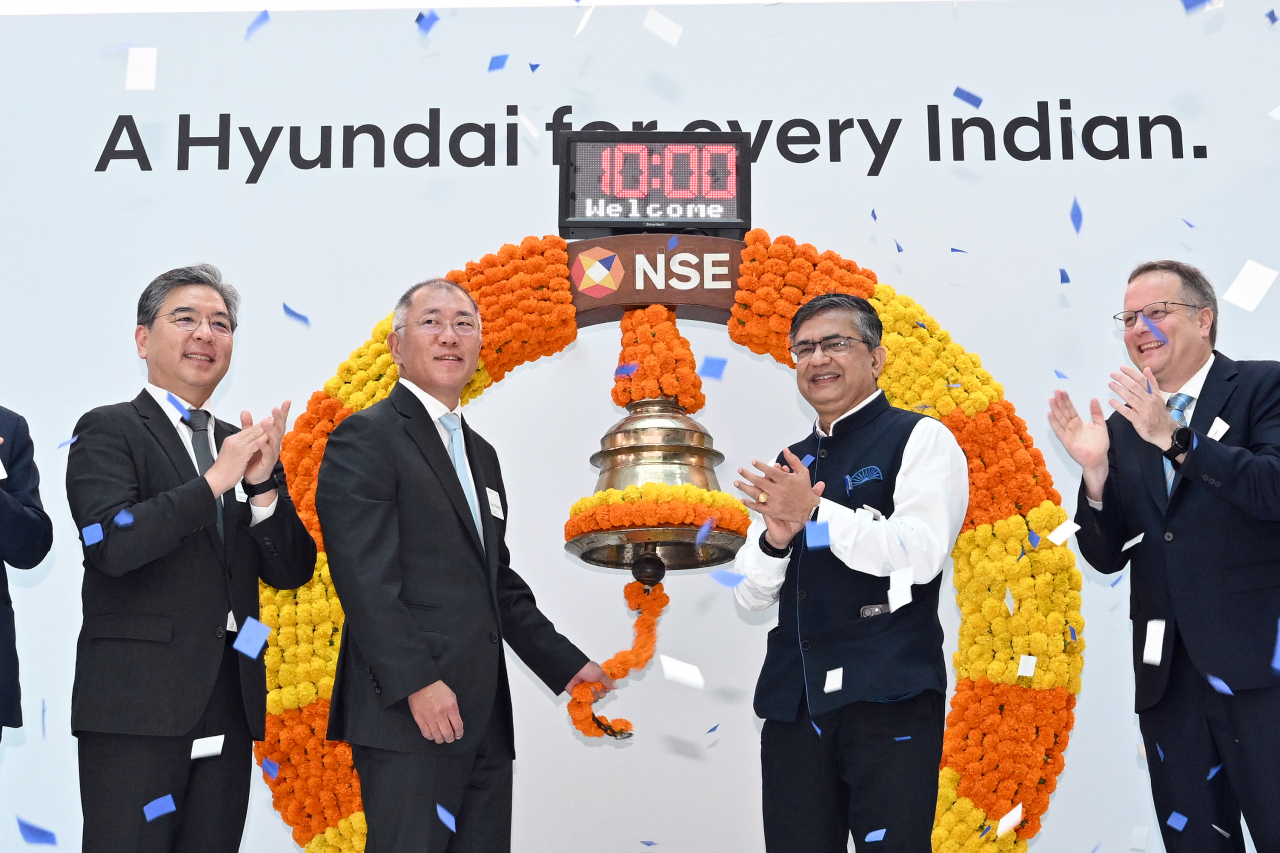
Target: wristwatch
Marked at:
770, 551
1180, 443
253, 490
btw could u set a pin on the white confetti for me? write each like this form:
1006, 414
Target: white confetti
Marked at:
1134, 541
1250, 285
4, 475
582, 25
207, 747
1026, 665
1009, 601
682, 673
899, 588
835, 680
1139, 839
1275, 114
663, 27
1062, 532
140, 73
1011, 820
1153, 648
529, 126
1142, 751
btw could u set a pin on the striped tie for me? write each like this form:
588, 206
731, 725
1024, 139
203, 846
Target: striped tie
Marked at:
1177, 406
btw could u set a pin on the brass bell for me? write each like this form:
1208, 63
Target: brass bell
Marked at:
656, 443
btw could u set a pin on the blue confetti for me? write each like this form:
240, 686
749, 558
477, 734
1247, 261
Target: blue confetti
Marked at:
1213, 771
1063, 278
534, 66
258, 22
157, 808
704, 531
1177, 820
713, 728
1155, 330
1077, 216
1189, 225
1072, 628
968, 97
1116, 581
446, 818
649, 843
816, 534
1021, 554
123, 518
673, 242
1275, 658
1160, 752
816, 729
1033, 538
628, 369
922, 325
1149, 391
1059, 374
92, 534
69, 442
271, 768
712, 367
808, 460
1195, 441
1271, 15
44, 711
253, 635
179, 405
899, 245
874, 218
922, 407
724, 577
875, 835
956, 385
985, 830
33, 834
908, 737
1096, 848
294, 315
961, 251
1190, 6
1219, 685
499, 62
426, 22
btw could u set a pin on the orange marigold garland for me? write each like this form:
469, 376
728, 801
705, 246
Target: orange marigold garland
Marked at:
620, 665
663, 360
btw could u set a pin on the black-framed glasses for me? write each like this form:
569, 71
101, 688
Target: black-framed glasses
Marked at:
188, 321
1155, 312
435, 325
832, 345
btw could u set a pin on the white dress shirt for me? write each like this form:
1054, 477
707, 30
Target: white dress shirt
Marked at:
1193, 386
436, 410
930, 499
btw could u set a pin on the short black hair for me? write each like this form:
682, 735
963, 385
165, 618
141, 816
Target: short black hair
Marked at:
865, 319
207, 275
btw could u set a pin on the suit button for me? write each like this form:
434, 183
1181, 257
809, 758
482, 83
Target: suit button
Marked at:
822, 454
1168, 537
219, 632
493, 636
371, 678
378, 690
802, 595
805, 645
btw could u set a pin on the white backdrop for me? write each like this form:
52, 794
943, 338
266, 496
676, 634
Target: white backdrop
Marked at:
77, 246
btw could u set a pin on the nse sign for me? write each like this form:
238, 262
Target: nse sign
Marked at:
695, 275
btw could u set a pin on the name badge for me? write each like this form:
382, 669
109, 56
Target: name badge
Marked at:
1219, 429
495, 503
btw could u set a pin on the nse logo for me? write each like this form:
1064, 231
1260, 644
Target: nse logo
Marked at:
598, 272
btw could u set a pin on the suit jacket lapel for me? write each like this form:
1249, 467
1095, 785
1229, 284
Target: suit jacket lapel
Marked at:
482, 500
1152, 462
166, 434
424, 434
1218, 387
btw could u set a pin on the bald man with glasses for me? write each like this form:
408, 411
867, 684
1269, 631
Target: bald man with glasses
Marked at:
1182, 484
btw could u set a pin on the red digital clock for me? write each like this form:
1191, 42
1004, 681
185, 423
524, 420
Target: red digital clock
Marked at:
619, 183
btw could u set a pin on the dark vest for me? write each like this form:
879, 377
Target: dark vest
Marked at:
820, 626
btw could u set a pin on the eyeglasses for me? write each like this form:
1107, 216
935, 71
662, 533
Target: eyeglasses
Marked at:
188, 321
1155, 312
434, 325
834, 345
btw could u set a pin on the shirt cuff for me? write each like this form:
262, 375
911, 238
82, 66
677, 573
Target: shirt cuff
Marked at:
262, 513
1096, 505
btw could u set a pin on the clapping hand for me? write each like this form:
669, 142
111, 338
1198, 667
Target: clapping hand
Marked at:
782, 494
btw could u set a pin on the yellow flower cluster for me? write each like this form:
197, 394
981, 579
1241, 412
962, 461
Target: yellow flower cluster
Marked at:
923, 362
658, 492
349, 836
957, 826
369, 374
302, 649
1046, 591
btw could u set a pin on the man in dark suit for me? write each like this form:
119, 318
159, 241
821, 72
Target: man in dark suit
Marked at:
1183, 483
414, 514
26, 534
173, 553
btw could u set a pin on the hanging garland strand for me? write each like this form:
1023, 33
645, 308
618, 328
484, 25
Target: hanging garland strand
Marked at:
620, 665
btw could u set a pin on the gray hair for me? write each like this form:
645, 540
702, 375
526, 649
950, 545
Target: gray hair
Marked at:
1196, 288
401, 315
153, 297
864, 317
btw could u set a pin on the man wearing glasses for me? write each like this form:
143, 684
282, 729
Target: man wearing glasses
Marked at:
414, 515
1183, 482
180, 515
853, 683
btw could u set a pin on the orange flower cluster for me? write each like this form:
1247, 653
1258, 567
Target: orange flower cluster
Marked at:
301, 451
620, 665
776, 278
317, 784
1007, 474
665, 366
647, 513
525, 300
1006, 741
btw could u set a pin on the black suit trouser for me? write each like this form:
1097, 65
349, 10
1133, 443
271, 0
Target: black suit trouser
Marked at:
1198, 729
854, 778
119, 774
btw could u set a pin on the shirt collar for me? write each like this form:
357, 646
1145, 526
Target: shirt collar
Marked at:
162, 397
1193, 386
818, 429
433, 406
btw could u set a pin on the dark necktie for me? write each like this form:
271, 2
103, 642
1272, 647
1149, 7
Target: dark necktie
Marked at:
199, 420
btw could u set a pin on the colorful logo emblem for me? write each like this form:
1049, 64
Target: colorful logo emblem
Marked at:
597, 272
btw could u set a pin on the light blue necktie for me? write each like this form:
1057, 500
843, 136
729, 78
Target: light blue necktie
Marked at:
1177, 406
453, 423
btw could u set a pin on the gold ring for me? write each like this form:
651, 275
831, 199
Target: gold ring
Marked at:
764, 497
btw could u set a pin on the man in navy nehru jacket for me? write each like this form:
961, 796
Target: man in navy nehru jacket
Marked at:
853, 684
1182, 483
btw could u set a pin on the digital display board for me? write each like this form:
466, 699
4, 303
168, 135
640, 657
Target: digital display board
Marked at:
653, 181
